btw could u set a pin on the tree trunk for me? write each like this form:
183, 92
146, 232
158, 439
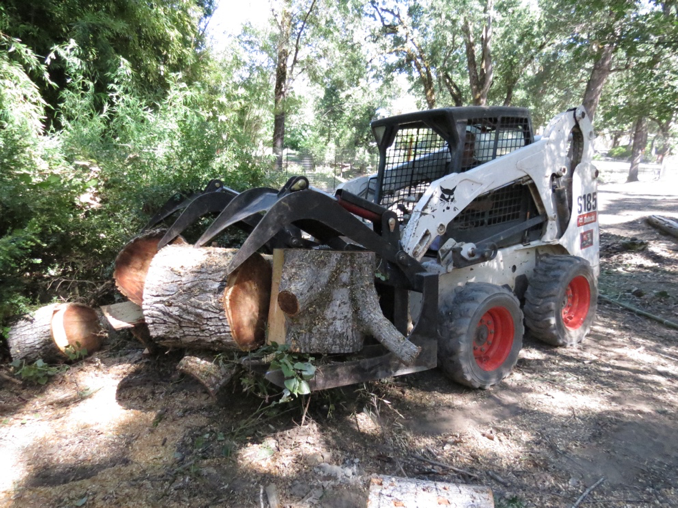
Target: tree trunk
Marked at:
330, 304
49, 331
189, 303
480, 79
133, 261
280, 88
639, 142
31, 337
599, 74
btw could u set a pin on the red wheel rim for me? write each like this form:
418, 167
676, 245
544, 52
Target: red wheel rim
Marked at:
493, 338
576, 302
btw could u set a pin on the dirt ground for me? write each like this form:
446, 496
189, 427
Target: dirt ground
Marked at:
123, 429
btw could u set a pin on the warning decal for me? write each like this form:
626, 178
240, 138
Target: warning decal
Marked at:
586, 239
586, 218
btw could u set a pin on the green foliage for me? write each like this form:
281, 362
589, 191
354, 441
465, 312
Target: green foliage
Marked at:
72, 197
38, 372
619, 152
75, 353
297, 368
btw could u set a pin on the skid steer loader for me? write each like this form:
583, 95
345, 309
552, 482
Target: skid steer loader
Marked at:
477, 228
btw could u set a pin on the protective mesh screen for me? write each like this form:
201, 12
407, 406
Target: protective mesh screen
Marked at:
489, 138
417, 157
497, 207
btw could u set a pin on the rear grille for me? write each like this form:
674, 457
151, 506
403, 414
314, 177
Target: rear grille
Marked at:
417, 157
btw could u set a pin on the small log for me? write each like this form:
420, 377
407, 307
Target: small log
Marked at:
31, 337
188, 303
123, 315
668, 226
411, 493
131, 264
330, 304
47, 332
212, 375
77, 326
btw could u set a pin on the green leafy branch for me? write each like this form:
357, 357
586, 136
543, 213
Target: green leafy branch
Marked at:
38, 372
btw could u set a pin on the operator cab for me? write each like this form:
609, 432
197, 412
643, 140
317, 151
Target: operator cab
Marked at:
416, 149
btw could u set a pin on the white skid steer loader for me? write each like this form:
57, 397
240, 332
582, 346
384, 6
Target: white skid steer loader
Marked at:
475, 228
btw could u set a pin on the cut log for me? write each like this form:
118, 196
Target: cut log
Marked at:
211, 374
330, 304
189, 304
668, 226
30, 338
77, 326
131, 265
411, 493
123, 315
47, 333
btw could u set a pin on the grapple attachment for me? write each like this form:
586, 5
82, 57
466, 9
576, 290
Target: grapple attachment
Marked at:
248, 204
181, 201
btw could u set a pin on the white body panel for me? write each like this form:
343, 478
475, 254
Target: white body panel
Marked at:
537, 161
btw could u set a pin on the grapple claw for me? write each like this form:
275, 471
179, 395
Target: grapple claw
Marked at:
180, 201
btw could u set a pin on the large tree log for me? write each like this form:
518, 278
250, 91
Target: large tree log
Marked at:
330, 304
50, 330
131, 265
188, 303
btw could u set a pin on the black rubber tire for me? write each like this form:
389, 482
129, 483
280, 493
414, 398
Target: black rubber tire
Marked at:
546, 296
460, 325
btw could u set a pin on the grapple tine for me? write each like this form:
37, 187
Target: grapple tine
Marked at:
209, 202
176, 202
242, 206
180, 201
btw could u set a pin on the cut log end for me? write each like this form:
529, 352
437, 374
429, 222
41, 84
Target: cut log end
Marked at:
77, 326
131, 265
246, 302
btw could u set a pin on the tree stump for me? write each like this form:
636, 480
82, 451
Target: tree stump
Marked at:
188, 302
46, 333
131, 265
330, 304
30, 338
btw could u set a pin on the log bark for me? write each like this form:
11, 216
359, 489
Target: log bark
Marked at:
31, 337
395, 491
330, 303
77, 326
131, 265
188, 302
211, 374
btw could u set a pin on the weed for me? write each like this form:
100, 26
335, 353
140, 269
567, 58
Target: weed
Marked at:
76, 352
38, 372
510, 502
